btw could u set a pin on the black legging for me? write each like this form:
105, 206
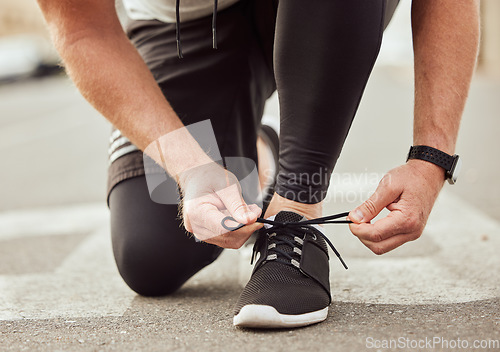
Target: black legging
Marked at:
154, 254
323, 54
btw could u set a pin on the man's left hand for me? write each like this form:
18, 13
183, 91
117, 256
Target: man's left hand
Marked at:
408, 192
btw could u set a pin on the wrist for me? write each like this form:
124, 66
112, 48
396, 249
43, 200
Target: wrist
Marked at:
431, 172
199, 173
177, 152
182, 161
450, 164
437, 142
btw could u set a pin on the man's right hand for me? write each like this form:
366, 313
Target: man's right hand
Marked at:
210, 193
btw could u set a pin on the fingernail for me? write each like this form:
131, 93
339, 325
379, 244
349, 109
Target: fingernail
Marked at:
356, 215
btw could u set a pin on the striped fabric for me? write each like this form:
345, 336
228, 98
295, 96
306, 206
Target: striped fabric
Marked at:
119, 146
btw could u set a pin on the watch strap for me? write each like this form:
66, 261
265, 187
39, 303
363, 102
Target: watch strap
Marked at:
432, 155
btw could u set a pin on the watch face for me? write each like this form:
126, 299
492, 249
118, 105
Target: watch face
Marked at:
455, 170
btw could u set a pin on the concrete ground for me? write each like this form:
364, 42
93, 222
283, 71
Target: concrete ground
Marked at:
60, 290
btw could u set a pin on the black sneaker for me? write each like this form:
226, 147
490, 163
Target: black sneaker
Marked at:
290, 284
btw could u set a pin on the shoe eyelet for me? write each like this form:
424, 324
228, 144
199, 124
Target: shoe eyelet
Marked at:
314, 238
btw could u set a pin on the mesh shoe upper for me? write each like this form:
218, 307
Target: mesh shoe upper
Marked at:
279, 280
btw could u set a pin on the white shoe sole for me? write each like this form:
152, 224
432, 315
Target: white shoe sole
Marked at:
261, 316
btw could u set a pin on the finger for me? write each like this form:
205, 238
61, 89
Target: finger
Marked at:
233, 201
234, 239
389, 244
254, 208
210, 218
203, 214
206, 235
247, 230
393, 224
385, 194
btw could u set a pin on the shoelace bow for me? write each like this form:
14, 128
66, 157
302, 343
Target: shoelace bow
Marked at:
280, 230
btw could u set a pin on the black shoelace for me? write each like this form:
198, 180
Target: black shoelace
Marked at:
279, 231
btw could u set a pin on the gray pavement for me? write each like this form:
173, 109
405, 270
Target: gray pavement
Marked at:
60, 290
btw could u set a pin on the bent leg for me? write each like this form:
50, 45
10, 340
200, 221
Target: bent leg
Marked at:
153, 252
324, 53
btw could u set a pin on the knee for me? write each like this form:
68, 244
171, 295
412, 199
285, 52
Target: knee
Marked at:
148, 270
147, 280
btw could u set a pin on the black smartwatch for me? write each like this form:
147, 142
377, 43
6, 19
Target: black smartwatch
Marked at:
450, 163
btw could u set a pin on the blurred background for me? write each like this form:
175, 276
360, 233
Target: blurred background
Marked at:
53, 145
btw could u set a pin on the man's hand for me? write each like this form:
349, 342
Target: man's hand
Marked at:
408, 192
210, 193
445, 42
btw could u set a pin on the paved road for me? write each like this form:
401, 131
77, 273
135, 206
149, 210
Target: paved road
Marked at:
59, 288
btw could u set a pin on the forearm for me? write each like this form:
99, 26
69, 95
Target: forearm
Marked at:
112, 76
445, 41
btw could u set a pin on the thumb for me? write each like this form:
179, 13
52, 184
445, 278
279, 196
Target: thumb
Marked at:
234, 203
384, 195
